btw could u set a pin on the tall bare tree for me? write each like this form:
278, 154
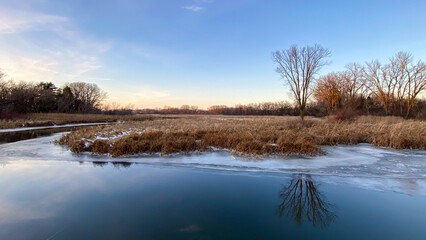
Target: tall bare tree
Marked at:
397, 71
380, 84
354, 82
298, 67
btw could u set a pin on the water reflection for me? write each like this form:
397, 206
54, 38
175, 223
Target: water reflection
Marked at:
116, 164
99, 163
302, 199
121, 164
40, 198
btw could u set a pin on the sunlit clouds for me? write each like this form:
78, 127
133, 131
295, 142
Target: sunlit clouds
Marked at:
41, 47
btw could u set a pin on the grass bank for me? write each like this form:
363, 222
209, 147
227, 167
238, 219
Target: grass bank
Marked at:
50, 119
245, 135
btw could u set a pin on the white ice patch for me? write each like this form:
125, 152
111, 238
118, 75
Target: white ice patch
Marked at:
362, 165
108, 136
356, 160
408, 186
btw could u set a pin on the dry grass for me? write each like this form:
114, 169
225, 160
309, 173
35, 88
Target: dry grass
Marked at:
48, 119
245, 135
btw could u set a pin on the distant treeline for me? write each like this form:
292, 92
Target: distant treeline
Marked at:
369, 106
45, 97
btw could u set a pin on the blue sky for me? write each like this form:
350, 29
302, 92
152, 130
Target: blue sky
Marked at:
198, 52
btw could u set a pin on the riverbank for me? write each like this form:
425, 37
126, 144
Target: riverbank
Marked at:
52, 119
256, 136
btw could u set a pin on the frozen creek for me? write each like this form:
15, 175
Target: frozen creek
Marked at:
379, 168
353, 192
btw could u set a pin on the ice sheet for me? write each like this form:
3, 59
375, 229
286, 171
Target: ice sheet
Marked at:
358, 160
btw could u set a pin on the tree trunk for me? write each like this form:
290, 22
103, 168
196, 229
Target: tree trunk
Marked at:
302, 114
409, 106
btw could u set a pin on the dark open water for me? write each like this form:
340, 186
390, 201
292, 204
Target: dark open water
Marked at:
54, 199
69, 200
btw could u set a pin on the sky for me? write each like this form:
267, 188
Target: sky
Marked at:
157, 53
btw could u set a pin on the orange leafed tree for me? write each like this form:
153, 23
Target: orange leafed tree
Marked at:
329, 90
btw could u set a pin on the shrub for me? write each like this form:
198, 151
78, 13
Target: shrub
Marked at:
344, 115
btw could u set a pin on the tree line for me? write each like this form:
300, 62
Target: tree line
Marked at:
265, 108
373, 88
392, 88
45, 97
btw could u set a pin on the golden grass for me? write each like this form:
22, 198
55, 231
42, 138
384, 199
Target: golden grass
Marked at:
245, 135
48, 119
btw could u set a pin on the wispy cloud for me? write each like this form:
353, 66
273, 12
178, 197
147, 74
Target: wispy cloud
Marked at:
12, 21
41, 47
193, 8
197, 8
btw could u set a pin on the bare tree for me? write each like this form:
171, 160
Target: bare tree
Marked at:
216, 109
397, 72
89, 95
185, 109
2, 75
416, 84
354, 82
110, 106
22, 97
4, 91
398, 83
380, 84
298, 67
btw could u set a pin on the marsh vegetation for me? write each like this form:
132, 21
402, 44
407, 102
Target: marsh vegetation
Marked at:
266, 135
